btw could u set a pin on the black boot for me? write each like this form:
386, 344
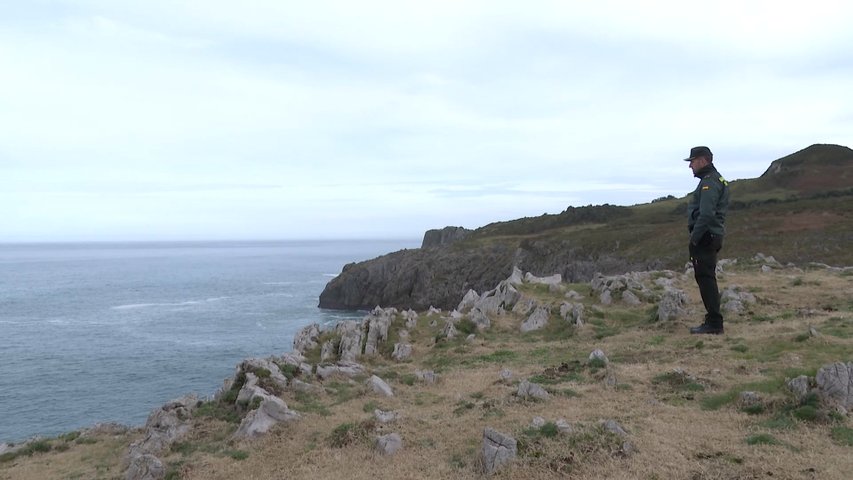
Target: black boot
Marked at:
707, 328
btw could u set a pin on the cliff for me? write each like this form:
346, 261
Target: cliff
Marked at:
801, 208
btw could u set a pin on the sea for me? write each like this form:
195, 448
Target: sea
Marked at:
106, 332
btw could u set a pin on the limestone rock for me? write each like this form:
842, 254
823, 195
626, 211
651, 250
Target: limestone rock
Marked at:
566, 311
495, 301
376, 325
468, 301
327, 351
525, 305
614, 427
306, 338
389, 444
265, 365
564, 427
578, 314
672, 304
426, 376
498, 450
383, 416
516, 277
433, 311
555, 279
630, 298
813, 331
449, 331
443, 236
304, 387
505, 375
456, 315
749, 399
402, 351
835, 384
606, 298
145, 467
411, 318
599, 354
799, 387
573, 295
350, 333
527, 390
480, 318
537, 320
470, 338
537, 422
259, 421
345, 369
377, 385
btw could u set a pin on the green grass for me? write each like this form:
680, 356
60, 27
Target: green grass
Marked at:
715, 402
347, 434
308, 403
843, 436
762, 439
498, 356
740, 348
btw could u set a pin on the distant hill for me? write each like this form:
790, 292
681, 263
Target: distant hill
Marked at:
799, 210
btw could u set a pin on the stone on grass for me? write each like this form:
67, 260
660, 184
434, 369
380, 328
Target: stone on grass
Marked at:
498, 450
383, 416
749, 399
606, 298
613, 426
537, 320
145, 467
537, 422
402, 351
630, 298
564, 426
304, 387
480, 319
813, 331
389, 444
799, 386
426, 376
468, 301
526, 390
672, 304
344, 369
259, 421
505, 375
573, 295
554, 279
470, 338
377, 385
599, 354
835, 384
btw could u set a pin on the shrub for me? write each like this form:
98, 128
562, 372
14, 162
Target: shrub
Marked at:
349, 433
843, 435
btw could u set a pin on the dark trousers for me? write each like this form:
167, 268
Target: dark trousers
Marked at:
704, 260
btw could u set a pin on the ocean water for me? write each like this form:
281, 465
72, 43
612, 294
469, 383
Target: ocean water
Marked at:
109, 331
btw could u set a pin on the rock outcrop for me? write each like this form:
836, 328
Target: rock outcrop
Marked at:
498, 450
444, 236
164, 426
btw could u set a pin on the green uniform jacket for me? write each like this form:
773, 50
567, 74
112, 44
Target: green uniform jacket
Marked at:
707, 209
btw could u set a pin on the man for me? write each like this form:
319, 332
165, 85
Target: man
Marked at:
706, 221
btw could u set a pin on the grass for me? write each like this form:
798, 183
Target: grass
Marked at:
762, 439
843, 436
347, 434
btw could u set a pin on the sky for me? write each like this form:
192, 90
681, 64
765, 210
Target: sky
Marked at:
272, 119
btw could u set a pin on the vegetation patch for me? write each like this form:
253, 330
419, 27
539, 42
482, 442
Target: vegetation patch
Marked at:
347, 434
547, 448
843, 436
498, 356
762, 439
309, 403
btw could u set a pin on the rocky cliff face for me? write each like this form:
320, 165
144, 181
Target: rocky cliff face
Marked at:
444, 236
440, 276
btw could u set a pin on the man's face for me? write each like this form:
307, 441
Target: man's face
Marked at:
698, 163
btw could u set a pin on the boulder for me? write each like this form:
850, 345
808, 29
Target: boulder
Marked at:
613, 426
835, 384
449, 331
480, 319
164, 426
537, 422
528, 390
389, 444
748, 399
573, 295
376, 324
402, 351
516, 277
566, 311
304, 387
377, 385
630, 298
259, 421
505, 375
537, 320
606, 298
525, 305
265, 365
672, 304
495, 301
344, 369
327, 351
498, 450
468, 301
578, 314
382, 416
426, 376
470, 338
411, 318
564, 427
555, 279
145, 467
800, 387
306, 338
350, 333
599, 354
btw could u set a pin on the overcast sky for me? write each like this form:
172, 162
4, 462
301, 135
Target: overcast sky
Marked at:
214, 119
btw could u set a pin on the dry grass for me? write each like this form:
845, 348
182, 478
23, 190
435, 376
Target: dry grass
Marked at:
680, 431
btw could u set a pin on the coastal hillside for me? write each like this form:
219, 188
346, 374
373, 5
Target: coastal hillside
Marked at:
801, 209
592, 380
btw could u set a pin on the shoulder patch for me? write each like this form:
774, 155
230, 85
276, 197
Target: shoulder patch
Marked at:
706, 187
723, 181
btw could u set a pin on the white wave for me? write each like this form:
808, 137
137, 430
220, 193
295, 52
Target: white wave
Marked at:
177, 304
333, 275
